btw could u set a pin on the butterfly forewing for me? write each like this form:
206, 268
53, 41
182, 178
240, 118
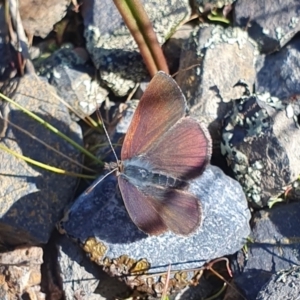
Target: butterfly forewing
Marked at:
160, 107
183, 151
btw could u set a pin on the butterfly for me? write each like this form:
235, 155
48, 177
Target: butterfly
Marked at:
163, 149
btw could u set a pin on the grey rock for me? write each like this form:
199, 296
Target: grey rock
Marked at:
278, 74
32, 198
224, 56
68, 71
111, 46
259, 145
283, 285
271, 24
275, 247
80, 278
99, 221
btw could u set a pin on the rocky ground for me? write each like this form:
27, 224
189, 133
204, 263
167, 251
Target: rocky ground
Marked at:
237, 64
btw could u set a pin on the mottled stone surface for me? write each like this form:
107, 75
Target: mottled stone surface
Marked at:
274, 247
80, 278
264, 143
39, 16
279, 75
32, 199
113, 49
272, 24
20, 274
283, 285
99, 220
224, 56
68, 70
259, 143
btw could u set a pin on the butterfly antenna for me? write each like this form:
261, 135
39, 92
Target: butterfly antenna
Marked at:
107, 136
90, 188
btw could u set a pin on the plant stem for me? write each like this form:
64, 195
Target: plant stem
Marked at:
137, 21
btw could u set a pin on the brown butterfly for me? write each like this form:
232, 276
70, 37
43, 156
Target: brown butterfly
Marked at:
162, 150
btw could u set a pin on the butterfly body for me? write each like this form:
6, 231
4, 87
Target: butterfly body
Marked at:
140, 173
162, 150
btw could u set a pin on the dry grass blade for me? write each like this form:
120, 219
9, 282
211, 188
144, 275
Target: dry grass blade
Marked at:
209, 268
219, 293
185, 69
53, 129
80, 114
44, 166
164, 295
46, 145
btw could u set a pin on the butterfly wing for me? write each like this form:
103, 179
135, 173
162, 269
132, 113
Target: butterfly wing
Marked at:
183, 151
181, 212
160, 107
154, 209
141, 208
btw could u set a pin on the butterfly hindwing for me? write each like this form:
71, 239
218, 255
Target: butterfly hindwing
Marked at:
180, 210
155, 209
141, 209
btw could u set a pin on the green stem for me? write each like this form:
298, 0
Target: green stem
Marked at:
53, 129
